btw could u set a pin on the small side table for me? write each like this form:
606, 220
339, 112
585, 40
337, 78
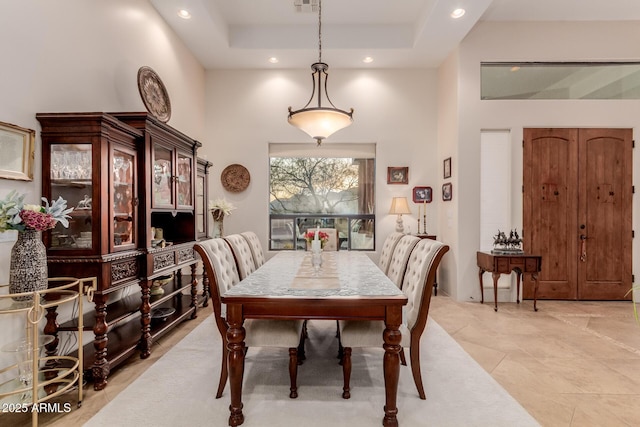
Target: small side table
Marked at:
499, 264
432, 237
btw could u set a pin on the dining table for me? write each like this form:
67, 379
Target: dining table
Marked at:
348, 285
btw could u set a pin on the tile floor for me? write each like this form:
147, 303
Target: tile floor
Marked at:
569, 364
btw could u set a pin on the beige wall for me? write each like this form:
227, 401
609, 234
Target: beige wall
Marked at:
396, 109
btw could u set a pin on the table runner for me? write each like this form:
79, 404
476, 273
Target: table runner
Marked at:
326, 278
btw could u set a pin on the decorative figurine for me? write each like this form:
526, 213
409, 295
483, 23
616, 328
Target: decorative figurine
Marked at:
507, 245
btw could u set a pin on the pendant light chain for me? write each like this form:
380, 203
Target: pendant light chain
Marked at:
320, 31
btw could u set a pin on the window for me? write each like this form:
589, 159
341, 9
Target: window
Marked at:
330, 186
560, 80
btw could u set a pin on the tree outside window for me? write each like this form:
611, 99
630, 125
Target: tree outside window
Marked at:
330, 192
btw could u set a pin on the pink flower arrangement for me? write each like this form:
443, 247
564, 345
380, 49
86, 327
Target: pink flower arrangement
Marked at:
309, 236
15, 215
36, 220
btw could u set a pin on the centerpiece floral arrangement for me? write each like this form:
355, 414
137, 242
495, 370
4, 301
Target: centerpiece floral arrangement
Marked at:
220, 208
310, 236
16, 215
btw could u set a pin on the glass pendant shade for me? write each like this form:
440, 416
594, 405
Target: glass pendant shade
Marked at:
320, 123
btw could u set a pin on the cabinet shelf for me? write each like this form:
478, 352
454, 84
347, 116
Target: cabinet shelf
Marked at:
120, 345
71, 182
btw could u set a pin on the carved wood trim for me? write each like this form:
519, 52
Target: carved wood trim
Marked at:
161, 261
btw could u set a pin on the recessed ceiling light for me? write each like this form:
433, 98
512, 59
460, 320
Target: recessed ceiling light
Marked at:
515, 68
458, 13
273, 60
184, 14
367, 60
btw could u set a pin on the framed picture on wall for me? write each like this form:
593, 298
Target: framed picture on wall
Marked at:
446, 166
422, 195
397, 175
447, 192
18, 150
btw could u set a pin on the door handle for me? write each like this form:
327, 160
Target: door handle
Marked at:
583, 248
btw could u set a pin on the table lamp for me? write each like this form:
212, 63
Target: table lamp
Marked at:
399, 206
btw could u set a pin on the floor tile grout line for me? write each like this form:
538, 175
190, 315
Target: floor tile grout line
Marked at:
599, 335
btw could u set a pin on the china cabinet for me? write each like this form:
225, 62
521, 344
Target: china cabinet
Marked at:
31, 379
133, 225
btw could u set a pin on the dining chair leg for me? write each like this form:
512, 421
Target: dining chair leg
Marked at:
346, 372
301, 353
403, 359
293, 372
414, 354
224, 373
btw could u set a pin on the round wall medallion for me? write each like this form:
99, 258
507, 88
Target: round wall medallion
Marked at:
154, 94
235, 178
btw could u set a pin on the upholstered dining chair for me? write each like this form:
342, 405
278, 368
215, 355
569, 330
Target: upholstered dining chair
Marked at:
387, 250
255, 246
400, 257
220, 274
242, 254
421, 271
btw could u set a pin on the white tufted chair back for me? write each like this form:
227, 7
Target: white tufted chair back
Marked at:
242, 253
400, 257
387, 250
256, 247
421, 267
220, 267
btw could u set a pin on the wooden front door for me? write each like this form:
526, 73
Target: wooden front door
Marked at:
577, 211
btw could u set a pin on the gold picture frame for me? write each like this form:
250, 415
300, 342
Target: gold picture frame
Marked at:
18, 147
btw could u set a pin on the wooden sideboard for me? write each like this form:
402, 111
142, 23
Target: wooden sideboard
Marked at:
499, 264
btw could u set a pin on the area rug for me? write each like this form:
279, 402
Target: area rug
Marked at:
179, 389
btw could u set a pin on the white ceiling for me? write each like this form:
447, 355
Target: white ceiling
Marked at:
396, 33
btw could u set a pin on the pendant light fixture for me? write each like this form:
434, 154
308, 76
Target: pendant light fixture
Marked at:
320, 122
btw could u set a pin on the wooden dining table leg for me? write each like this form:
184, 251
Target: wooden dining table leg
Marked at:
236, 346
391, 366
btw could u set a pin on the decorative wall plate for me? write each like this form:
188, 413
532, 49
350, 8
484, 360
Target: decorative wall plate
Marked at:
154, 94
235, 178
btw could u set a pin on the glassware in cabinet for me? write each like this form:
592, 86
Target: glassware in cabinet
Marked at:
124, 202
71, 178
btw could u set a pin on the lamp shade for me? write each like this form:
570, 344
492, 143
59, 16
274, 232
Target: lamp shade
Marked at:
399, 206
320, 123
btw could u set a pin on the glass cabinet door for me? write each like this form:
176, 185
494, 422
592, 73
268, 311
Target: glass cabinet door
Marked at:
162, 177
184, 184
123, 198
199, 208
71, 178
